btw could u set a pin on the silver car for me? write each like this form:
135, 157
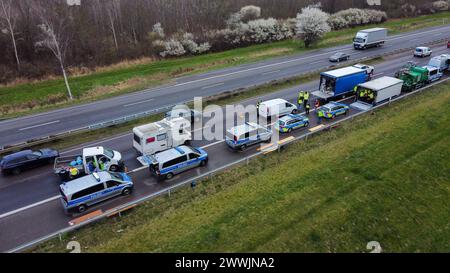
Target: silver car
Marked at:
242, 136
339, 57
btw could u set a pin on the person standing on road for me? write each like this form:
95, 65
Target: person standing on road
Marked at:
307, 107
305, 99
320, 115
300, 98
317, 104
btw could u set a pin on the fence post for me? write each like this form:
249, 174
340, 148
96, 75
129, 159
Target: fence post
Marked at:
168, 192
60, 237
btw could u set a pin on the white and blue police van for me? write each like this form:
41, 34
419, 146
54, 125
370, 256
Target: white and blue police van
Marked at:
77, 195
244, 135
166, 164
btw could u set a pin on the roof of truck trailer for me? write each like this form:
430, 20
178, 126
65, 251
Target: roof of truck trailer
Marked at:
343, 71
381, 83
373, 29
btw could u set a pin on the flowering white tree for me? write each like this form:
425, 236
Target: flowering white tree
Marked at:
173, 47
312, 25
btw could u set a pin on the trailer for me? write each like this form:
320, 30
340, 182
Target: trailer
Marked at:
376, 91
161, 135
372, 37
339, 83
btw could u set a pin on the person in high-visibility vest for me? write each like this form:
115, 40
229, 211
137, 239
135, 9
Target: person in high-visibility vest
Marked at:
300, 98
305, 99
320, 115
73, 172
307, 108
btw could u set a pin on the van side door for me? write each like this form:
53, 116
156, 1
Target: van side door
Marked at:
113, 188
162, 142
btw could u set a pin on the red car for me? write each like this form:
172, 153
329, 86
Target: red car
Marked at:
448, 44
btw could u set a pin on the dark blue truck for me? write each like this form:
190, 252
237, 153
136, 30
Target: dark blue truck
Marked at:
339, 83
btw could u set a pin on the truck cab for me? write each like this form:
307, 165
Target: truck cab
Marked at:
92, 159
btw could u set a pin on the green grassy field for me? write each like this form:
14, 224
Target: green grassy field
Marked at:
49, 94
381, 177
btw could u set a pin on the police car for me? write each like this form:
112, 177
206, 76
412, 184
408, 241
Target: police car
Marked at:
333, 109
88, 190
165, 165
242, 136
291, 122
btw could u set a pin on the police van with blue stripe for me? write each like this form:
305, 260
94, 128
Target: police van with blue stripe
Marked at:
291, 122
77, 195
166, 164
242, 136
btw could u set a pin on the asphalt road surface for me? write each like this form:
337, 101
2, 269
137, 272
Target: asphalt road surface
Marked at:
29, 202
184, 89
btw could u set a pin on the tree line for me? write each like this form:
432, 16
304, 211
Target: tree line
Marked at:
42, 37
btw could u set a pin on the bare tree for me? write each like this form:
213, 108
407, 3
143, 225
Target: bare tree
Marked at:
54, 37
6, 13
111, 10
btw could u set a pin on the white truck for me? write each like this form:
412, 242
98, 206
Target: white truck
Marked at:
370, 38
161, 135
276, 107
441, 62
375, 91
91, 160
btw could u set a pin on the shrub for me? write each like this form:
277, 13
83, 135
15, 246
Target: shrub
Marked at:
355, 17
440, 5
172, 47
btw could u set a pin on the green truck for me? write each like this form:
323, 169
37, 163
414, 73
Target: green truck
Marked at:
413, 77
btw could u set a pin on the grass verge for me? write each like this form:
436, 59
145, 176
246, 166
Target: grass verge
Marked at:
50, 94
381, 177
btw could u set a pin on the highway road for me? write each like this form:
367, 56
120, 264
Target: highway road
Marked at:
184, 89
29, 205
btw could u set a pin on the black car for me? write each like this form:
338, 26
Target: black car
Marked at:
23, 160
339, 57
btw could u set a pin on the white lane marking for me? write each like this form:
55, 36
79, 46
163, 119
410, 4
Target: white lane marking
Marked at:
415, 34
28, 207
139, 102
316, 62
213, 85
212, 144
39, 125
260, 67
270, 72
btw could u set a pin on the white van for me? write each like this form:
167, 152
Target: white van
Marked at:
162, 135
422, 51
276, 107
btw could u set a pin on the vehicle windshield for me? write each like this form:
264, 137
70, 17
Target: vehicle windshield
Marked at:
109, 153
359, 40
116, 175
282, 123
418, 49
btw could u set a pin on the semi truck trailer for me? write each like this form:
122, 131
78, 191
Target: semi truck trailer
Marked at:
376, 91
339, 83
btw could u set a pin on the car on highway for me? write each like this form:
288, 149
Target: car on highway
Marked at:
339, 57
17, 162
333, 109
183, 111
448, 44
291, 122
165, 165
77, 195
368, 68
422, 51
244, 135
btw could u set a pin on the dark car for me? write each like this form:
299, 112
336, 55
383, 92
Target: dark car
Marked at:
339, 57
28, 159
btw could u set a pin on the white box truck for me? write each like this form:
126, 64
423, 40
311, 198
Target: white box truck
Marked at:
373, 92
161, 135
370, 38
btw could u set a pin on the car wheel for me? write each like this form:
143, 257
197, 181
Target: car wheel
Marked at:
306, 124
289, 130
82, 208
243, 147
294, 111
203, 163
16, 171
126, 191
113, 168
169, 176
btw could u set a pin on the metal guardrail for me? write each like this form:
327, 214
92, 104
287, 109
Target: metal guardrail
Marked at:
209, 174
105, 124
